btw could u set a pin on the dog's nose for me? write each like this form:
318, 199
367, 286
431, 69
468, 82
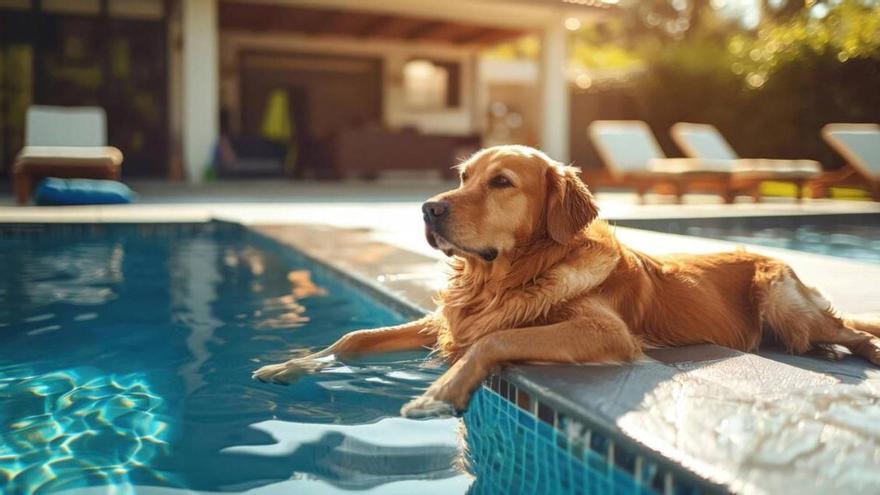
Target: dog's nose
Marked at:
434, 210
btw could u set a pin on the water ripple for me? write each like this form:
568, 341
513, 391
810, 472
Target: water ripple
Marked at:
62, 429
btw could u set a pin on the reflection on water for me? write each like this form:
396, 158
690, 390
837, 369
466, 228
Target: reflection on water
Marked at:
860, 242
193, 289
289, 312
363, 455
125, 360
79, 276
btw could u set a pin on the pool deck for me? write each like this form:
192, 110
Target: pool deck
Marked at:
768, 423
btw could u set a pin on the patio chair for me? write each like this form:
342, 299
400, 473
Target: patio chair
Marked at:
704, 142
634, 158
859, 144
64, 142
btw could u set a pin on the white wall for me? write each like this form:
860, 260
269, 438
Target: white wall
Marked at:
458, 121
200, 79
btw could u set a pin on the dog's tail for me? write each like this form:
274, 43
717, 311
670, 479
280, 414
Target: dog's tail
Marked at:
870, 324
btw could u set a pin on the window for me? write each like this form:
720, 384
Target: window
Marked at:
430, 85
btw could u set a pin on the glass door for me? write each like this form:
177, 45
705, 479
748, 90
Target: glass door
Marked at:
111, 54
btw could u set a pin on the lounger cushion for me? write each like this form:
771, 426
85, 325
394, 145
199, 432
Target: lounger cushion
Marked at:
763, 168
53, 191
704, 142
777, 168
70, 155
688, 166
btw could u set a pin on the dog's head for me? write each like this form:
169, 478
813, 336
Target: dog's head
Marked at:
509, 197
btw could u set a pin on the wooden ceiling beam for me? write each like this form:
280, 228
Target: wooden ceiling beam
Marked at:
447, 32
322, 21
487, 37
374, 26
346, 23
352, 23
424, 29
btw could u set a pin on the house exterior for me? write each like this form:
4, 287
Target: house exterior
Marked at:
325, 76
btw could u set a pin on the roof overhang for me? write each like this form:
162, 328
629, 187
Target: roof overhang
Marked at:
458, 22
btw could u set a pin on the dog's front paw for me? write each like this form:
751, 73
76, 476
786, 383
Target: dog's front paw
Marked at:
288, 372
427, 406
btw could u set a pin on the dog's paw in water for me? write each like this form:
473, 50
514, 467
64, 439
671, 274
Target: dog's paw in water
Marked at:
288, 372
427, 406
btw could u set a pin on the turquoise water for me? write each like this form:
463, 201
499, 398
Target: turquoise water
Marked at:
125, 360
855, 236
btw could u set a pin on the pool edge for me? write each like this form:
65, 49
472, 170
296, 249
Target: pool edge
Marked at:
675, 476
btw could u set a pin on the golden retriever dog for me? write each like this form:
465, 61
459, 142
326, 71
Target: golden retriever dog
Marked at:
536, 277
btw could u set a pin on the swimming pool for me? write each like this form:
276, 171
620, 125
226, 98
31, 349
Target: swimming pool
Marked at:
125, 361
853, 236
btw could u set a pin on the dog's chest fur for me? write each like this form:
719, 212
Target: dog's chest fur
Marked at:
472, 308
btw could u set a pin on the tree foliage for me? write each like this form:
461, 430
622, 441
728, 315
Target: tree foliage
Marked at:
847, 31
769, 88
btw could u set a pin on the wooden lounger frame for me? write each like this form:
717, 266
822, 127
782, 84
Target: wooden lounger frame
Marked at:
854, 173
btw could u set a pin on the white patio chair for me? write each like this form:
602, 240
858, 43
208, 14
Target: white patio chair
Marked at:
66, 142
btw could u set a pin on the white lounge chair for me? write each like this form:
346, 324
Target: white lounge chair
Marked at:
634, 158
705, 143
66, 142
859, 144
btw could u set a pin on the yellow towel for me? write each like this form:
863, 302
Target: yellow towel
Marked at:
276, 118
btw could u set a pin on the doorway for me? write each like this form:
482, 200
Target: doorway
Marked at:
324, 95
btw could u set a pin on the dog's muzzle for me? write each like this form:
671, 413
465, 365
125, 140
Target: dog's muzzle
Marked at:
435, 214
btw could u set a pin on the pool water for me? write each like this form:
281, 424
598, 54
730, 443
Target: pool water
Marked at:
855, 236
126, 356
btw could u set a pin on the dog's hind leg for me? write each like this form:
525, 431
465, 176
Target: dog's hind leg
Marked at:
864, 324
803, 320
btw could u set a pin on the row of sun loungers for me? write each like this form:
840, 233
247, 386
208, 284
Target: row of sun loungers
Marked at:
634, 159
72, 142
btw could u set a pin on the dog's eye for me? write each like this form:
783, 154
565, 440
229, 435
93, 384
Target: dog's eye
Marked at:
500, 181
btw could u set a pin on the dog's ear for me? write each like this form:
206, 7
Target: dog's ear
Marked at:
570, 206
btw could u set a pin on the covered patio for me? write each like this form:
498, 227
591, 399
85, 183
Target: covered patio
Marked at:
361, 74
